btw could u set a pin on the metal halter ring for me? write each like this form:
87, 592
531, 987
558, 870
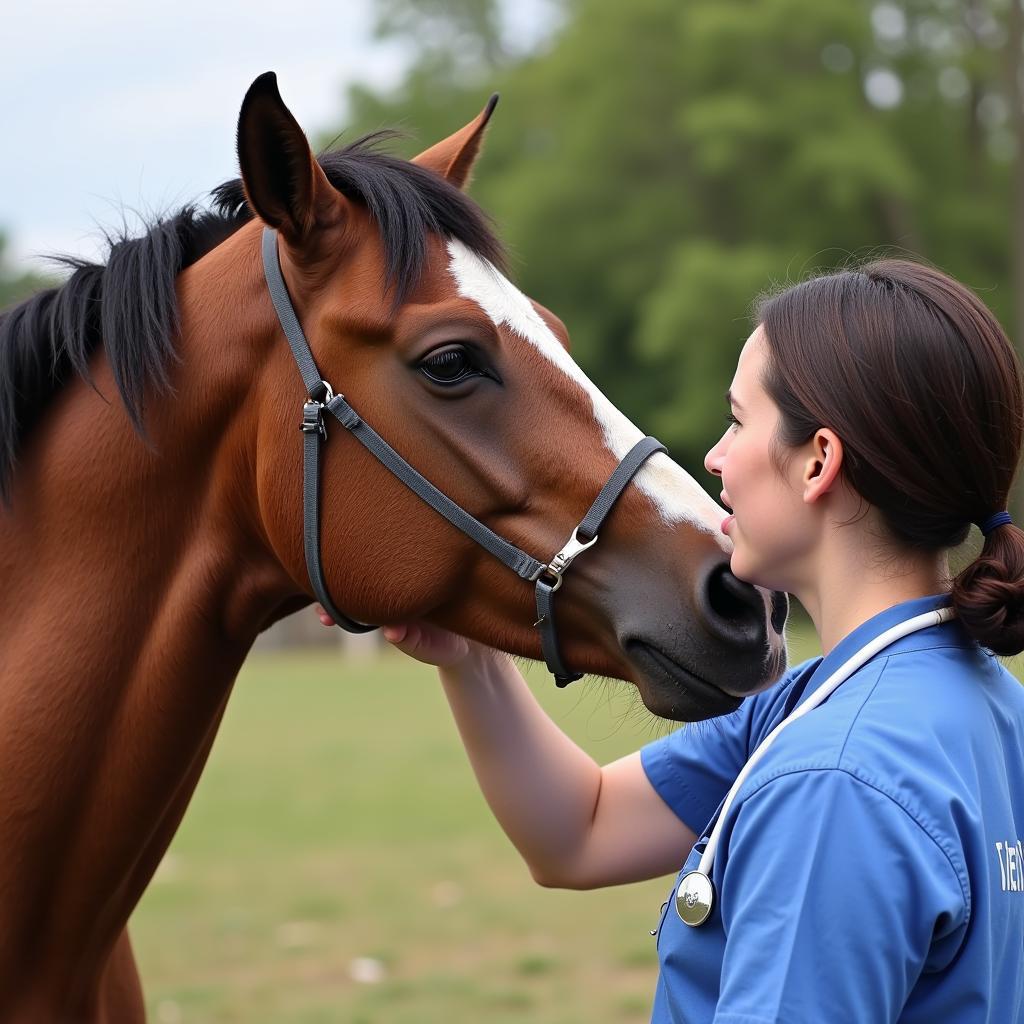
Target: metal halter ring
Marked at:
313, 411
328, 394
565, 557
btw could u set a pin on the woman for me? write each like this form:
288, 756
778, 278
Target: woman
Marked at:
869, 866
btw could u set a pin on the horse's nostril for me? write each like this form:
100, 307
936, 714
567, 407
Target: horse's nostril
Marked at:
733, 609
780, 609
731, 597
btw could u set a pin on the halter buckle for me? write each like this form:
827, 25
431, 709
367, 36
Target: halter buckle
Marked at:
557, 566
313, 419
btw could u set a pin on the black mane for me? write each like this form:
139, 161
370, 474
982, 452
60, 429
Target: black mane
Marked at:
129, 305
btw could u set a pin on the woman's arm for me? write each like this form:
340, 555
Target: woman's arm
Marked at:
576, 824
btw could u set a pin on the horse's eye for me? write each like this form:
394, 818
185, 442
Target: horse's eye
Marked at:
449, 366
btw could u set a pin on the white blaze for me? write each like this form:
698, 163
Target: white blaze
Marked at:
675, 494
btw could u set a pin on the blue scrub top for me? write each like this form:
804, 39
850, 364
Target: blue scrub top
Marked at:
871, 869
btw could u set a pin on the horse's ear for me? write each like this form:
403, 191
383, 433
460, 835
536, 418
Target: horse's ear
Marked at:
454, 157
283, 181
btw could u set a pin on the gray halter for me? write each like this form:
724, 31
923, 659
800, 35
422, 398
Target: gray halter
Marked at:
546, 576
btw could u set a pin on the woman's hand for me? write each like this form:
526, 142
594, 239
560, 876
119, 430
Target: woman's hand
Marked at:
430, 644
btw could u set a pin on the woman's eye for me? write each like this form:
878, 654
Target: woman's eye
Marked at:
450, 366
731, 420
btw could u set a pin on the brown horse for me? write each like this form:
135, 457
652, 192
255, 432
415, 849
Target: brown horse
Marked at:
151, 468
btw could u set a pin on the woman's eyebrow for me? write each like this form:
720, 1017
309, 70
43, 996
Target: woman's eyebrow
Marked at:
732, 400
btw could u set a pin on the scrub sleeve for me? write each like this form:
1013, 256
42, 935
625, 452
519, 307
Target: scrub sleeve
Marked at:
693, 768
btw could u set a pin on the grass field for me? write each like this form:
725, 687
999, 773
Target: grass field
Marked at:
338, 864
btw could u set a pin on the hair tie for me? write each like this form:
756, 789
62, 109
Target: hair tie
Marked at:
994, 521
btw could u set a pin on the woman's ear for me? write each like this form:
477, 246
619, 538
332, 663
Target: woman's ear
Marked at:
822, 466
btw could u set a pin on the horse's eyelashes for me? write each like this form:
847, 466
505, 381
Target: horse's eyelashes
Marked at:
449, 366
450, 358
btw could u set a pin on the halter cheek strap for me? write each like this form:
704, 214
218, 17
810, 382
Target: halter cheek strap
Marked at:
582, 538
546, 577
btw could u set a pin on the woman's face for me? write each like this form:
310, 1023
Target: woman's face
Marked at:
771, 528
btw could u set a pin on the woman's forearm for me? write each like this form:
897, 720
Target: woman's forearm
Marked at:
578, 825
542, 788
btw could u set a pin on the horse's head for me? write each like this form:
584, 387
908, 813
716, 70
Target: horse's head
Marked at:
395, 278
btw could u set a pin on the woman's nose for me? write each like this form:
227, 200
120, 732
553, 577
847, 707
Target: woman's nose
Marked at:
713, 459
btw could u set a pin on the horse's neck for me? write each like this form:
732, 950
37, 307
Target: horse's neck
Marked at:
134, 584
112, 529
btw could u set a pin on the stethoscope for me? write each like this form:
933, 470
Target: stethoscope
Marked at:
695, 895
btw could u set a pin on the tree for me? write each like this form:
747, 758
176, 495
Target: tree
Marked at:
656, 165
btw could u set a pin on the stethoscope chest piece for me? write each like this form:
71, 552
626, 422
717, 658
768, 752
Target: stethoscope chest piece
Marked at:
695, 894
694, 898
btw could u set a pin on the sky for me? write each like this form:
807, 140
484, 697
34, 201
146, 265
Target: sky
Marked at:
121, 105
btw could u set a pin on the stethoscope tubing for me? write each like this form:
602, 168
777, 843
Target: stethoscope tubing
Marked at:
841, 674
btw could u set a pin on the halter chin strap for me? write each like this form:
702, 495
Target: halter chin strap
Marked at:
547, 577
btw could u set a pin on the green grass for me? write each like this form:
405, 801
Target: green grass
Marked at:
338, 820
338, 864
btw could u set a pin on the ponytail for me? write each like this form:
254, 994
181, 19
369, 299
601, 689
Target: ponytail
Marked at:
988, 595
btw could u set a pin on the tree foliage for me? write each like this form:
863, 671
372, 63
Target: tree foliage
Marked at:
654, 166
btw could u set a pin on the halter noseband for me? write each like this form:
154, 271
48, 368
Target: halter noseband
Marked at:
546, 576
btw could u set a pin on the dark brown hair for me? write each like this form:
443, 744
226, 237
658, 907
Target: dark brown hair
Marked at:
916, 376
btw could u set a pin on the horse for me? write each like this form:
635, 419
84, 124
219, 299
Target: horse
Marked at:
152, 516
